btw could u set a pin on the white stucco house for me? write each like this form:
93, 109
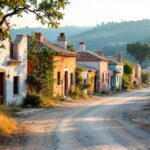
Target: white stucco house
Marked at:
13, 69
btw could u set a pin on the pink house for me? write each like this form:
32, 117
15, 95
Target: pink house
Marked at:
100, 63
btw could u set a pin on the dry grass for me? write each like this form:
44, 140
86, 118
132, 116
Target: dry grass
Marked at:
7, 125
48, 103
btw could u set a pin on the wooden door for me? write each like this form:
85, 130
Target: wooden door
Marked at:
66, 84
1, 88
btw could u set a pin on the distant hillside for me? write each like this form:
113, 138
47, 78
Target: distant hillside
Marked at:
113, 36
50, 33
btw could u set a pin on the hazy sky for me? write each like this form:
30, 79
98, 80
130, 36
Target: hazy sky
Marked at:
92, 12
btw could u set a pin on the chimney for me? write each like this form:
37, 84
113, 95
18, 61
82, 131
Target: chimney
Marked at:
82, 46
100, 52
120, 57
62, 40
39, 36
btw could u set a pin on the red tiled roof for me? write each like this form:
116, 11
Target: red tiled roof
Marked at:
89, 56
54, 47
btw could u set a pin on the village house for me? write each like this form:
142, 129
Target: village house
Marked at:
116, 69
89, 76
13, 69
95, 61
65, 64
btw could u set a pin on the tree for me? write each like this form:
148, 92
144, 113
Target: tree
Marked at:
127, 76
46, 11
40, 69
71, 48
139, 51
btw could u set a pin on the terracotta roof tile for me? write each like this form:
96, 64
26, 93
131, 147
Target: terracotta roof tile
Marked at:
52, 46
89, 56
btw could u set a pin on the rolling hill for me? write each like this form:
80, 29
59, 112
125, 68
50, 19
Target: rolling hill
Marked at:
50, 33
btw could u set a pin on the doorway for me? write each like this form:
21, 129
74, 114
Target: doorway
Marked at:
95, 84
66, 88
1, 88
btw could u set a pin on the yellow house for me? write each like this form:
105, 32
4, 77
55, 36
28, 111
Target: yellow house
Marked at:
65, 64
89, 76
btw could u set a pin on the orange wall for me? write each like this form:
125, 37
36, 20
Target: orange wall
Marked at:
62, 64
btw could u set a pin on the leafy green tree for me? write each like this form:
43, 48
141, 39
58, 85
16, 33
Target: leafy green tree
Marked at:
46, 11
71, 48
139, 51
128, 68
40, 69
128, 71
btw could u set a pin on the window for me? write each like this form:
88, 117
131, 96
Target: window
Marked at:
103, 77
71, 79
16, 85
11, 50
58, 78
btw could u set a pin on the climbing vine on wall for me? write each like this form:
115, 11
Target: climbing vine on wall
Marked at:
40, 68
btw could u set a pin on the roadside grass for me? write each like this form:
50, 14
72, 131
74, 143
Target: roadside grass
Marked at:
33, 100
48, 103
7, 125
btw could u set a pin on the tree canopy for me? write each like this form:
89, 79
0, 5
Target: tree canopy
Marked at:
46, 11
139, 51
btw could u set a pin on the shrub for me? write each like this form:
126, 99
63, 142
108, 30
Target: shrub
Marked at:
4, 109
126, 83
146, 78
47, 103
32, 100
104, 92
77, 93
7, 125
85, 86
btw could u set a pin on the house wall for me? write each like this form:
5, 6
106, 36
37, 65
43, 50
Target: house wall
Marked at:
20, 70
110, 76
138, 72
92, 74
117, 76
102, 66
62, 64
104, 76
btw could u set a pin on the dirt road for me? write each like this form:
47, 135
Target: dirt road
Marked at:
98, 124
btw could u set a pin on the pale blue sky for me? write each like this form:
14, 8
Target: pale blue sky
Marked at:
92, 12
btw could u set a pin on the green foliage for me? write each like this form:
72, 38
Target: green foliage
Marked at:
85, 86
79, 79
146, 78
126, 82
128, 68
46, 11
71, 48
41, 66
32, 100
139, 51
126, 79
